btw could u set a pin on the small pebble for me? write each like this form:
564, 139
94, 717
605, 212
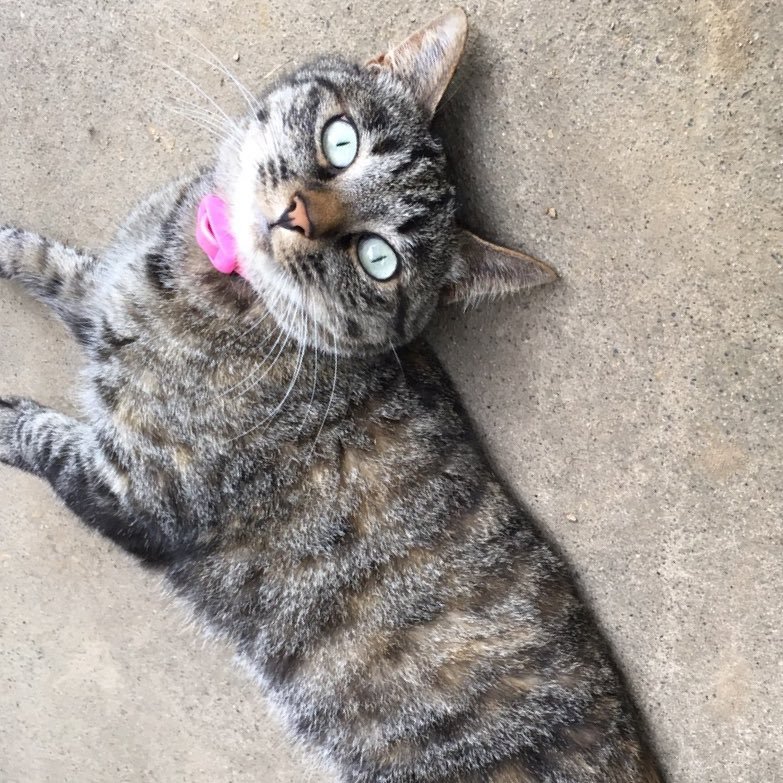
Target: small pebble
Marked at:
571, 517
236, 57
552, 212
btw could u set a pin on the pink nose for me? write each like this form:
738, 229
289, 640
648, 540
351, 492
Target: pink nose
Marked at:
295, 218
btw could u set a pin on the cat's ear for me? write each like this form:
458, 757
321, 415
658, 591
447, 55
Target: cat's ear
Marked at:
427, 59
484, 269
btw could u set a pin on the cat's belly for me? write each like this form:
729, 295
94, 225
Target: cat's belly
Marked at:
405, 645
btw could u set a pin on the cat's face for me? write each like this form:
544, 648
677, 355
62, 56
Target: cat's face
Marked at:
340, 203
340, 206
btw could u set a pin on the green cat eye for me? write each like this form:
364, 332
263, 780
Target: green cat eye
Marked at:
340, 142
377, 257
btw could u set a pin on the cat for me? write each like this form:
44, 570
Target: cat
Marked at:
265, 425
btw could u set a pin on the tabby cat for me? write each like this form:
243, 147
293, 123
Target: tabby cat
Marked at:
263, 423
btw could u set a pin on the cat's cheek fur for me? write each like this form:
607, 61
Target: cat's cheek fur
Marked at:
237, 181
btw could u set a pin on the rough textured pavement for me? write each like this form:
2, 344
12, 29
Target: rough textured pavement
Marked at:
635, 406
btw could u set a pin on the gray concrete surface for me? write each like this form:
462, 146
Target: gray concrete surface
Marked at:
641, 396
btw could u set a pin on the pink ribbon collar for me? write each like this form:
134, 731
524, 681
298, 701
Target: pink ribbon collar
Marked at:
213, 233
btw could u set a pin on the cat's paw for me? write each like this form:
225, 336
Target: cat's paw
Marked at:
7, 235
10, 410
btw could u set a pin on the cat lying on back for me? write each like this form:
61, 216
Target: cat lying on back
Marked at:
264, 424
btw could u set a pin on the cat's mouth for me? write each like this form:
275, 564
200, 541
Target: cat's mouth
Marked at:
262, 231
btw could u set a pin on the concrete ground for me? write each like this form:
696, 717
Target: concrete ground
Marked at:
635, 406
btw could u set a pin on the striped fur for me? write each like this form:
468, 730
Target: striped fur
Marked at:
316, 496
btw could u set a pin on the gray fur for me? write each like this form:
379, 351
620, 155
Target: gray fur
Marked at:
292, 455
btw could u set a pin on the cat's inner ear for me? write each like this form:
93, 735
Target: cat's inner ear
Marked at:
426, 60
486, 270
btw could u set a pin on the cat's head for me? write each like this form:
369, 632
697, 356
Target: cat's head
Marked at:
340, 205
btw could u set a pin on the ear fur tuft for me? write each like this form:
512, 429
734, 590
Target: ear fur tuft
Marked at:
487, 270
426, 60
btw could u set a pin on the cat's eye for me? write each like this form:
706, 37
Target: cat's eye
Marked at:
340, 142
377, 257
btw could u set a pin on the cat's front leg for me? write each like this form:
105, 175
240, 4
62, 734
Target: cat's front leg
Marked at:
54, 273
67, 454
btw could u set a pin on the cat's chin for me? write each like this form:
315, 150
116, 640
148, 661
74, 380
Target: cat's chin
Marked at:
262, 240
254, 240
261, 231
269, 278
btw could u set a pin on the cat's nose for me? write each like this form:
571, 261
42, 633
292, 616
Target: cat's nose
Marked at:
316, 213
296, 217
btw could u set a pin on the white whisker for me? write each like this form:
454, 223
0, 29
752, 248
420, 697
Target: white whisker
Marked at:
397, 357
329, 403
280, 333
283, 333
256, 369
315, 371
294, 379
273, 71
184, 77
202, 92
217, 62
203, 123
201, 113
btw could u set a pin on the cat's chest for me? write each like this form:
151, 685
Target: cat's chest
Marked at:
265, 427
172, 392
